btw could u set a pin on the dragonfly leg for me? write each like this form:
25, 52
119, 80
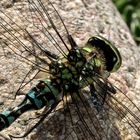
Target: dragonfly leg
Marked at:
96, 100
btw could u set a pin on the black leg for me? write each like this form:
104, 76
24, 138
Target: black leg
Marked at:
94, 98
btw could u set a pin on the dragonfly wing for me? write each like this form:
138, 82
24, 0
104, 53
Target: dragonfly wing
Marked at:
32, 34
79, 119
115, 117
116, 108
31, 39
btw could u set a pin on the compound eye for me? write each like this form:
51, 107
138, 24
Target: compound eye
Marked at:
111, 53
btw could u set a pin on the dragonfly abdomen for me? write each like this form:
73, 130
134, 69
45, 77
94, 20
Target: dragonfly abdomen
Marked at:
43, 94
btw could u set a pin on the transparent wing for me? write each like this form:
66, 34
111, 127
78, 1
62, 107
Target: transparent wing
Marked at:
117, 112
113, 116
32, 34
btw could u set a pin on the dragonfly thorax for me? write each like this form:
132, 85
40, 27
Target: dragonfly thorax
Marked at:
76, 59
67, 73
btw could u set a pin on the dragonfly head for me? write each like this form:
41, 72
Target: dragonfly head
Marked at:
110, 52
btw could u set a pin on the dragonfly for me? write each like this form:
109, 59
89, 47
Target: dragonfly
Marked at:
72, 94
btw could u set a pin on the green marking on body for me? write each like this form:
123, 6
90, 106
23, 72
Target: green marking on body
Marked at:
87, 49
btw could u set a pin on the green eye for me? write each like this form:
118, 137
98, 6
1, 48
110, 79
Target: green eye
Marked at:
111, 53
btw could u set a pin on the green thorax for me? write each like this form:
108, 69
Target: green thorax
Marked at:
67, 71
